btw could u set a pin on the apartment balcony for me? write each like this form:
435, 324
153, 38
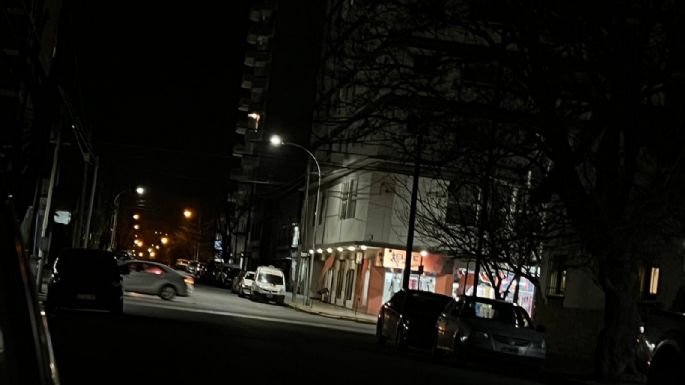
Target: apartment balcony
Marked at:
252, 136
253, 81
249, 162
255, 58
260, 34
240, 150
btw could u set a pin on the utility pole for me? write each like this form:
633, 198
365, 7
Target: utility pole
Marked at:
412, 126
303, 232
90, 205
46, 215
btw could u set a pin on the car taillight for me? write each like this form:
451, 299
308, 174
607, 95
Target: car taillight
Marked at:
189, 280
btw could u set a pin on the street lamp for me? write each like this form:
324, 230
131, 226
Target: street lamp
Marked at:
140, 191
276, 141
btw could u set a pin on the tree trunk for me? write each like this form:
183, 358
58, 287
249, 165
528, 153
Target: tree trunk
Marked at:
616, 343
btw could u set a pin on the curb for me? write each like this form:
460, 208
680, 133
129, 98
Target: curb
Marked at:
328, 315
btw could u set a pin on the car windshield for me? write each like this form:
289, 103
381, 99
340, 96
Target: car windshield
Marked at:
249, 275
429, 304
86, 262
496, 311
270, 278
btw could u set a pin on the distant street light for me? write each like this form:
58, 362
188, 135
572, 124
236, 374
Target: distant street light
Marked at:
136, 226
140, 191
277, 141
187, 213
164, 240
136, 216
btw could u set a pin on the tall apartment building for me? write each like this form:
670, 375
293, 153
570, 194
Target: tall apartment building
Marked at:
278, 93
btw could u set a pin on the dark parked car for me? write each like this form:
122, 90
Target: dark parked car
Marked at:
662, 347
409, 318
26, 355
85, 279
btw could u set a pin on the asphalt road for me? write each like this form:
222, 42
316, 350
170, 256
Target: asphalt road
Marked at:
216, 337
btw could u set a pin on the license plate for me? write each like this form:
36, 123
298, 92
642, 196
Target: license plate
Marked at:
269, 295
88, 297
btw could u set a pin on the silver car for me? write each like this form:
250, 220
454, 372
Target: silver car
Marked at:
155, 278
245, 286
476, 326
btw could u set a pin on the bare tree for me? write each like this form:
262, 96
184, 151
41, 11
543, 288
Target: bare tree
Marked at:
585, 94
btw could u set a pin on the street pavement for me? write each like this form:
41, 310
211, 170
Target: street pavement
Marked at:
216, 337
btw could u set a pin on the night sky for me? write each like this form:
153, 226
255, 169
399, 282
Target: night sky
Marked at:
158, 83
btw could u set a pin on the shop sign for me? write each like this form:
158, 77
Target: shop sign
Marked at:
394, 259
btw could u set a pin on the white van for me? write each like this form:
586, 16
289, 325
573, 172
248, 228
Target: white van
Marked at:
268, 284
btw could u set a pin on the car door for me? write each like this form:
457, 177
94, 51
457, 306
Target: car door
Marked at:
391, 315
152, 279
132, 273
452, 324
444, 339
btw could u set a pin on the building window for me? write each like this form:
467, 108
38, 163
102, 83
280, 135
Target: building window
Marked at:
557, 277
649, 281
462, 206
348, 201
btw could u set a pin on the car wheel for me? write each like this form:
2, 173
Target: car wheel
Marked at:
436, 352
380, 338
459, 352
167, 293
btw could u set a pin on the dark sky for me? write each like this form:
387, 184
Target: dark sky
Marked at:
158, 83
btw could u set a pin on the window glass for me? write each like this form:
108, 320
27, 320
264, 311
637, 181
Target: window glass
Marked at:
153, 269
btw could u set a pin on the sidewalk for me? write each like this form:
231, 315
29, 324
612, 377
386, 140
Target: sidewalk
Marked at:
328, 310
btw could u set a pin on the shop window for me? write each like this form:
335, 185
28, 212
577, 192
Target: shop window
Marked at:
349, 284
339, 284
557, 277
649, 281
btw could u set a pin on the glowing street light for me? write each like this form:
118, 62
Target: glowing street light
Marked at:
164, 240
136, 216
424, 253
140, 190
187, 213
136, 226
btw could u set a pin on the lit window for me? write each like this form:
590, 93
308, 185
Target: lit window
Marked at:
654, 281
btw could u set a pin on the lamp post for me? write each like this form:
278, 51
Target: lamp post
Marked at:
140, 191
276, 140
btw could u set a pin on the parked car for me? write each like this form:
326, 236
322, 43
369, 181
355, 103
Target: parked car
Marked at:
194, 268
228, 273
154, 278
409, 317
181, 264
85, 279
661, 347
476, 326
268, 284
245, 286
26, 355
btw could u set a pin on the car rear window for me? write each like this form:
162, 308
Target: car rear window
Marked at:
270, 278
87, 262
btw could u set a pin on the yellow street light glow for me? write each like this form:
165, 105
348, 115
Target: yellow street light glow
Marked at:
164, 240
187, 213
136, 216
311, 251
329, 250
140, 254
363, 247
152, 254
424, 253
340, 248
140, 190
351, 248
319, 251
136, 226
157, 247
149, 249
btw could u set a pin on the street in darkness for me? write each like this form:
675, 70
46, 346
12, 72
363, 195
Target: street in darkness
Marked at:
196, 341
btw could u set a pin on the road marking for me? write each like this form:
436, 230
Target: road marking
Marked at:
260, 318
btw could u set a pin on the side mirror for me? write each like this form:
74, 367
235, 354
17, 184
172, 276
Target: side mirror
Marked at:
541, 329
